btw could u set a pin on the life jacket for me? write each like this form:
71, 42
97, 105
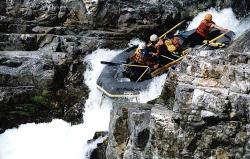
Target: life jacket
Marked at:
160, 48
137, 57
204, 28
170, 46
151, 48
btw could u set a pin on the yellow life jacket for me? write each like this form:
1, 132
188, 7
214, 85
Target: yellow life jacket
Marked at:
171, 48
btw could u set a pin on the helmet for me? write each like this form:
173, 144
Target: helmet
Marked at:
208, 17
153, 37
142, 45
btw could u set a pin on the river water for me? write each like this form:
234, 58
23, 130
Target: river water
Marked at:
59, 139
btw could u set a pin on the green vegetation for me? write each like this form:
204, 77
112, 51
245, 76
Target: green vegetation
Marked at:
41, 99
20, 113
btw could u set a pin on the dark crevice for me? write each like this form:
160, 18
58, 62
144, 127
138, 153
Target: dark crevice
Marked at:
142, 138
193, 144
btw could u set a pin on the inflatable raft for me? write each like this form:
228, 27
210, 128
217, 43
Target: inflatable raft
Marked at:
115, 86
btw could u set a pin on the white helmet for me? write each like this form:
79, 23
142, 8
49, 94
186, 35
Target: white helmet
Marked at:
142, 45
153, 37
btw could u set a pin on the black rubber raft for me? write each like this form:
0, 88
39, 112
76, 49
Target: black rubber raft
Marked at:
115, 87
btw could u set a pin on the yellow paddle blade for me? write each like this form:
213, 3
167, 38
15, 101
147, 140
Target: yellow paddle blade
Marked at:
213, 40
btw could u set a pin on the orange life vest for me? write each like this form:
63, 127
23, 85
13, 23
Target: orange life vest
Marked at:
137, 57
204, 28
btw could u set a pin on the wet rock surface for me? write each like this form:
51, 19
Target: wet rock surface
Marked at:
208, 118
100, 151
147, 131
33, 88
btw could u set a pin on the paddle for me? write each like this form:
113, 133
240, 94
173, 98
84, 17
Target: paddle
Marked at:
177, 25
213, 40
174, 27
167, 57
165, 67
124, 64
175, 55
142, 74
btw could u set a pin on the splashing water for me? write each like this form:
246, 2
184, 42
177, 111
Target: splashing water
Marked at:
97, 109
135, 41
243, 26
52, 140
153, 91
59, 139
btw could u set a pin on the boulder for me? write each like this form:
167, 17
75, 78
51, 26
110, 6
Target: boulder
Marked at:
208, 117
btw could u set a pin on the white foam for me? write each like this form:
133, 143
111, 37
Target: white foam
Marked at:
154, 89
134, 41
243, 26
45, 140
59, 139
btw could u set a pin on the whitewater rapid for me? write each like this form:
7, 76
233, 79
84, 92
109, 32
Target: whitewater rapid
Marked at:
59, 139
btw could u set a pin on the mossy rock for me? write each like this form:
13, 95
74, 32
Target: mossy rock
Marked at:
41, 99
20, 113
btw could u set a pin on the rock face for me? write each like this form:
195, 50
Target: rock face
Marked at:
136, 16
241, 44
100, 151
32, 91
43, 43
142, 131
209, 117
212, 100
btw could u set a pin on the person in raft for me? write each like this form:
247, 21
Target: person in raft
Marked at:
202, 31
139, 56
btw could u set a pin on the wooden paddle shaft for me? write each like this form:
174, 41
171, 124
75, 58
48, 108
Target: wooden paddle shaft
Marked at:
131, 65
177, 25
165, 67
